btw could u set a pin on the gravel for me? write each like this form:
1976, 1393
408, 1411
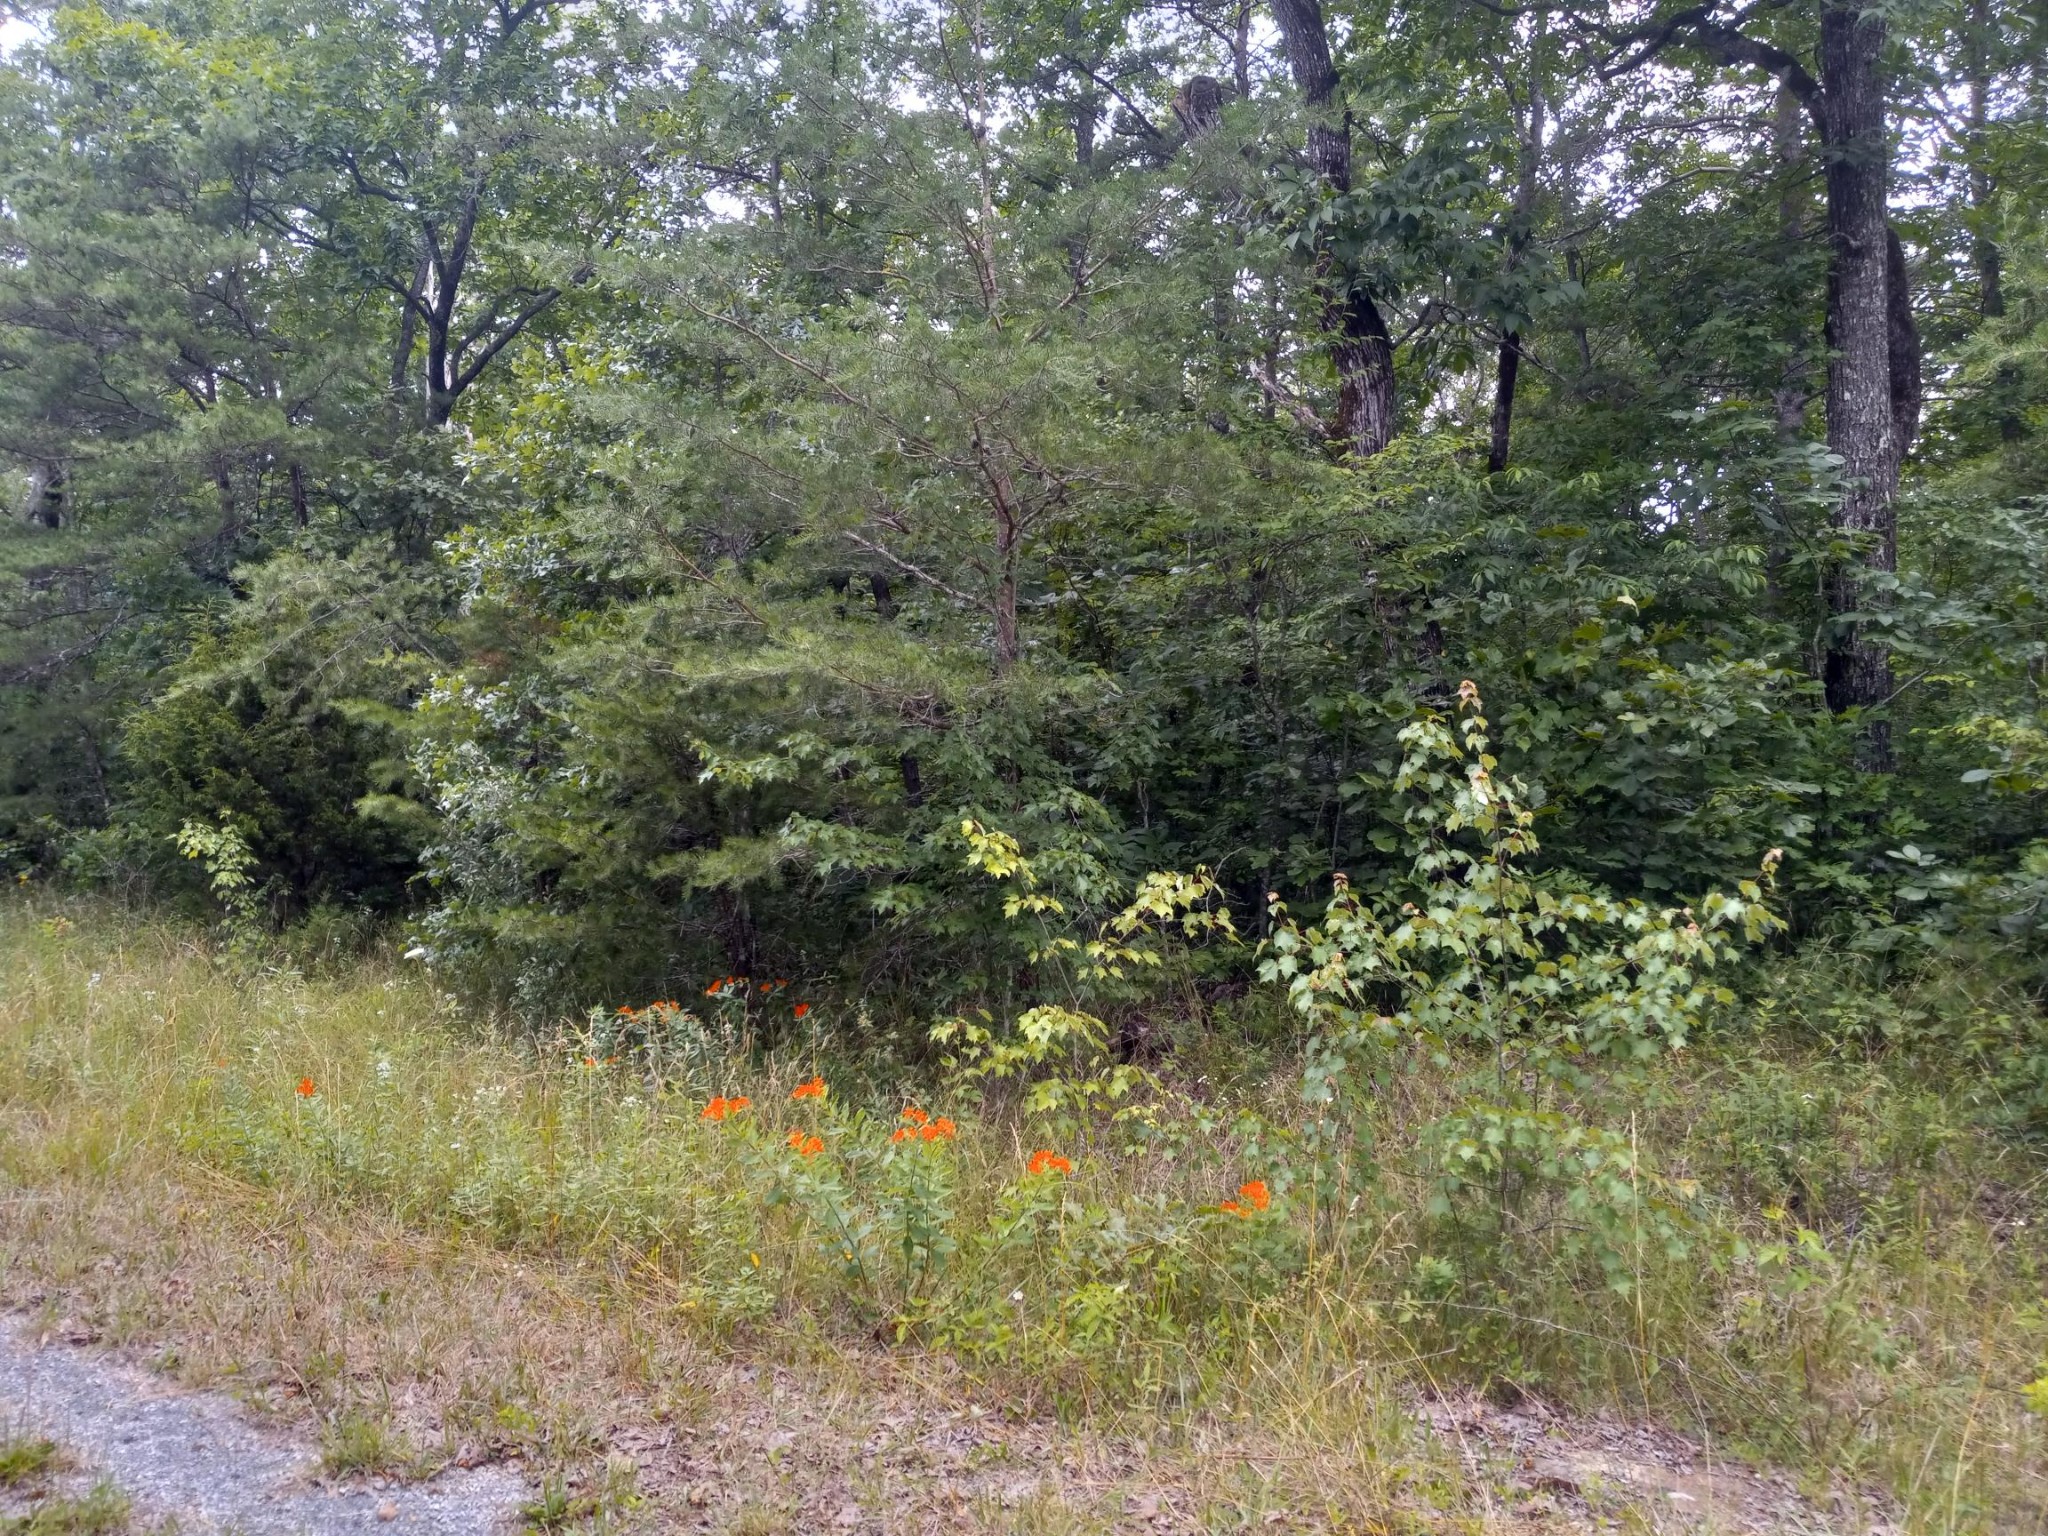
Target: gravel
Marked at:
195, 1457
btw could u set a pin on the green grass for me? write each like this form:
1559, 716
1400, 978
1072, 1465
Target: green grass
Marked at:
1860, 1300
26, 1459
361, 1441
102, 1512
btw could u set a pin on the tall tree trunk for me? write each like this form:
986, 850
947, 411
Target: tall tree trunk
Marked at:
1500, 438
1902, 338
1985, 254
1788, 141
1241, 52
1502, 429
1857, 672
1361, 347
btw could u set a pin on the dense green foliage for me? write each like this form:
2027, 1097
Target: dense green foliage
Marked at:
840, 502
617, 487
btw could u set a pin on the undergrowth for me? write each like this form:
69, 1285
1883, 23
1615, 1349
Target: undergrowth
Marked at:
1860, 1292
1500, 1135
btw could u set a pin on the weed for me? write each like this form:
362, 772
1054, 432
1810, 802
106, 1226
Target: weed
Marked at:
101, 1512
357, 1441
26, 1458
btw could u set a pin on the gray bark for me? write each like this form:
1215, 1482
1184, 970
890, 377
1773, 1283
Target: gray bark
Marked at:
1857, 671
1360, 345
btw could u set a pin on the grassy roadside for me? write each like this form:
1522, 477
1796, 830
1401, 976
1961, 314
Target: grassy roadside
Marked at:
451, 1247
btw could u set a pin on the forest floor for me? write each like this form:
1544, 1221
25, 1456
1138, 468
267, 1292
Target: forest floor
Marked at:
183, 1296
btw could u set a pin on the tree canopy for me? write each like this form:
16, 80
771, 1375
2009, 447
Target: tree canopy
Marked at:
619, 486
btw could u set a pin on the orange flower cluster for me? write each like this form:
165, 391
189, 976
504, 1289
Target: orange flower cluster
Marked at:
1045, 1160
722, 1108
1251, 1197
923, 1127
306, 1089
805, 1146
801, 1009
724, 984
814, 1089
655, 1010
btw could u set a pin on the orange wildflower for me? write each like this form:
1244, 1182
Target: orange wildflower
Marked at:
805, 1146
915, 1115
943, 1127
802, 1009
903, 1133
1231, 1207
1045, 1160
717, 1109
814, 1089
1255, 1194
306, 1089
734, 1105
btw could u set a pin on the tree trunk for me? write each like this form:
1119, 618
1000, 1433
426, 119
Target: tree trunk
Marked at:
224, 488
1984, 251
1857, 672
1361, 348
1500, 438
1902, 334
48, 491
1241, 52
408, 330
1788, 140
1504, 402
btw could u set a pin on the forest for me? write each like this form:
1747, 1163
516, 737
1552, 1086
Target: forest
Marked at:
1393, 653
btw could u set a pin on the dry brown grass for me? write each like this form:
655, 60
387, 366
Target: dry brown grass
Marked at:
583, 1375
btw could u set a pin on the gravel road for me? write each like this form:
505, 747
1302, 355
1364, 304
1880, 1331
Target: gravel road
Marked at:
195, 1457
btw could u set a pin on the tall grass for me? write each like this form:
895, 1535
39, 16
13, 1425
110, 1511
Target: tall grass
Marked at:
1863, 1298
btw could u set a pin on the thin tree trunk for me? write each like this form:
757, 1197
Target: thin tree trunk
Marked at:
1009, 518
1984, 250
300, 508
1857, 672
1509, 368
1902, 334
1575, 269
1362, 349
1241, 52
224, 487
48, 492
408, 330
1788, 139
